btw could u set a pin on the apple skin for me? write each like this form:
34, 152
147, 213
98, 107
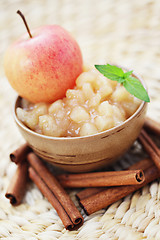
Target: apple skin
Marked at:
43, 67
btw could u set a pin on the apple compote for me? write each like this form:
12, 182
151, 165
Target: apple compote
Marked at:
94, 105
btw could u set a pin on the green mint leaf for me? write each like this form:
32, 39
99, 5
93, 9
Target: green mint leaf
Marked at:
127, 74
112, 72
132, 85
135, 87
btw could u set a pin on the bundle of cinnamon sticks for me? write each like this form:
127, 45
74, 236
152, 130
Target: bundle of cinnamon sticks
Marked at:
101, 188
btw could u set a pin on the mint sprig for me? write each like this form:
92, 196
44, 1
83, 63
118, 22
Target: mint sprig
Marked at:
132, 84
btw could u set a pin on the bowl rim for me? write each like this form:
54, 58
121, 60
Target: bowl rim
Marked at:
109, 131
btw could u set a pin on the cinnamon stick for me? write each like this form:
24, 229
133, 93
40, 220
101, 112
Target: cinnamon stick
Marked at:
19, 155
51, 198
143, 164
152, 126
88, 192
55, 193
113, 194
102, 179
16, 189
150, 147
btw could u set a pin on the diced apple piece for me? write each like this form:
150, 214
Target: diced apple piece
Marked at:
88, 129
56, 106
48, 126
28, 118
106, 91
86, 77
75, 94
71, 103
129, 108
87, 90
95, 100
79, 114
103, 123
105, 108
40, 109
118, 115
112, 83
100, 82
121, 95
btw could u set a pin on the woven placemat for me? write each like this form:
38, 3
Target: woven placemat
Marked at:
118, 31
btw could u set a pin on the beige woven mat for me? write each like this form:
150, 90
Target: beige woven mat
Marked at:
119, 31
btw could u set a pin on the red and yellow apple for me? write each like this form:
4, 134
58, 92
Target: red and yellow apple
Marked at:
43, 67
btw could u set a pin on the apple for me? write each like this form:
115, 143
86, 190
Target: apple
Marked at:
42, 66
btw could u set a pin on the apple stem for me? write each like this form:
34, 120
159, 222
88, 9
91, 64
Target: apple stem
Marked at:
25, 23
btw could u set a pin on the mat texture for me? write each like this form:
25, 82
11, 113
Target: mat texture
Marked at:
115, 31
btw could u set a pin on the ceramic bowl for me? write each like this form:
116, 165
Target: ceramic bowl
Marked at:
81, 154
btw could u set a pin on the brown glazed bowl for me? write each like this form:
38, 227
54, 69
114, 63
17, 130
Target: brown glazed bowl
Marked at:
82, 154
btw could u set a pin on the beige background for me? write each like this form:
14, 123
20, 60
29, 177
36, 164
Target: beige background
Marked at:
115, 31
